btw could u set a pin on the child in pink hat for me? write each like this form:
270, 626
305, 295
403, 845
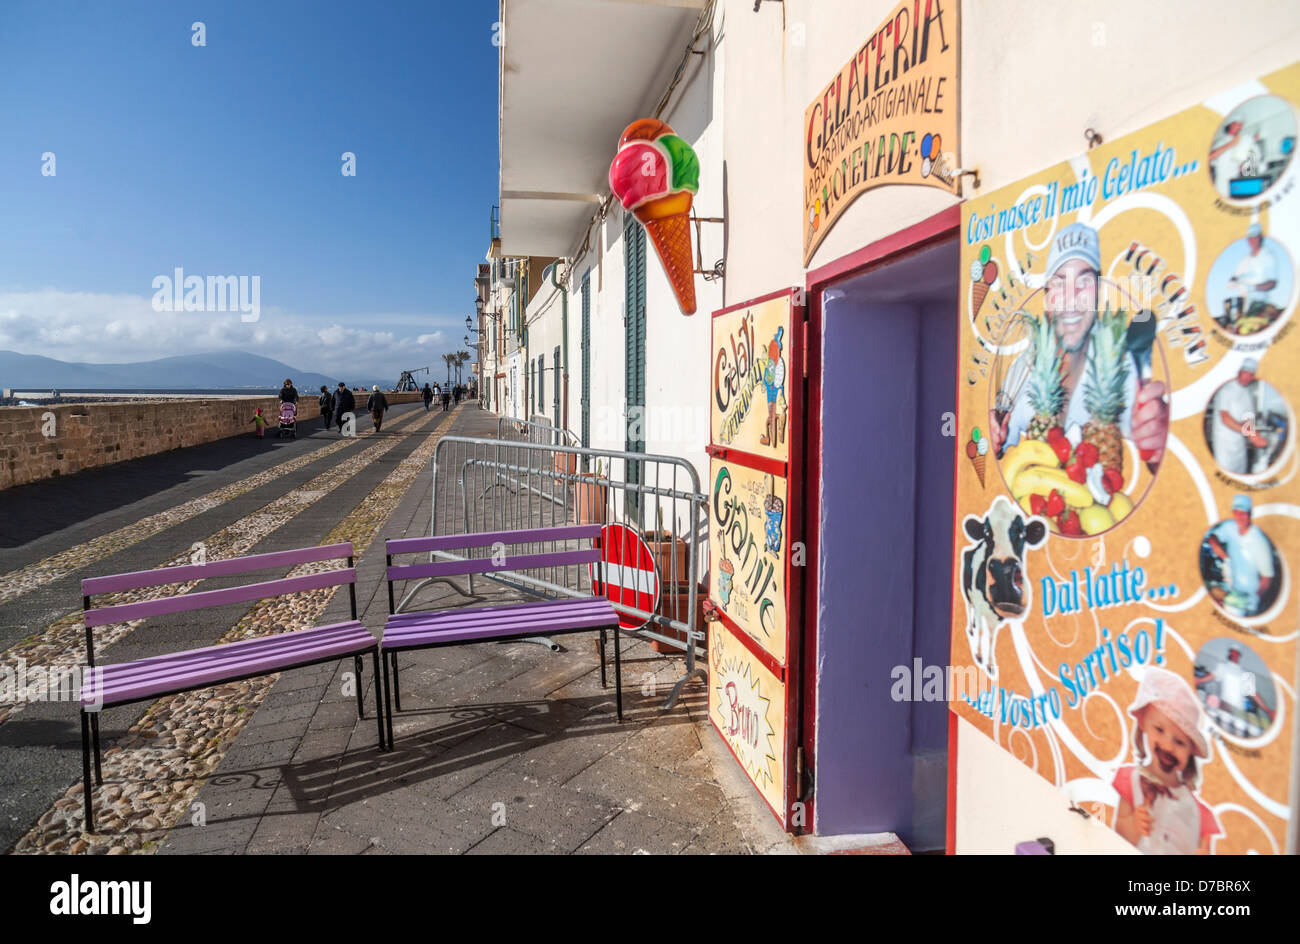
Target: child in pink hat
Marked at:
1159, 811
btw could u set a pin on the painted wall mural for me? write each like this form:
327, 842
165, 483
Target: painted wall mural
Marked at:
1128, 507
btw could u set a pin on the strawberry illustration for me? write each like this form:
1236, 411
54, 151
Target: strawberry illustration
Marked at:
1077, 471
1055, 433
1113, 480
1069, 523
1087, 454
1061, 446
1037, 504
1055, 504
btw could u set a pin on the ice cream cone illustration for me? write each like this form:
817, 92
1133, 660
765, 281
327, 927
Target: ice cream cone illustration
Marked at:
983, 273
655, 175
977, 450
726, 571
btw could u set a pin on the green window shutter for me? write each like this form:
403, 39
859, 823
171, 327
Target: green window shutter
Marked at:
541, 381
634, 257
555, 394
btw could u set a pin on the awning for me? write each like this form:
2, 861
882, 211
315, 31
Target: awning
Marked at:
574, 74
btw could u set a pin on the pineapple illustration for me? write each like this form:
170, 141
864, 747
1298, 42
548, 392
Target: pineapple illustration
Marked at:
1046, 393
1107, 374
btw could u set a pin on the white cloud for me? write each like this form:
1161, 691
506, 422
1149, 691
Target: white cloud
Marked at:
101, 328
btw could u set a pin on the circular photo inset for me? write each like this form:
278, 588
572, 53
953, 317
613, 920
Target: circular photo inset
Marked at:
1235, 687
1251, 148
1248, 425
1251, 284
1239, 564
1072, 368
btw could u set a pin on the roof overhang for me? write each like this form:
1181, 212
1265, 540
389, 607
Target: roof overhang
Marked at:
573, 75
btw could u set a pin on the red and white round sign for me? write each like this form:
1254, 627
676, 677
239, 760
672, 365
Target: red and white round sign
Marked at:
626, 573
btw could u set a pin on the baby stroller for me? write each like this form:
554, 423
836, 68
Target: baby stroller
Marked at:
288, 421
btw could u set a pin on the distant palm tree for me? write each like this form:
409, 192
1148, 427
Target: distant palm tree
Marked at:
449, 360
461, 358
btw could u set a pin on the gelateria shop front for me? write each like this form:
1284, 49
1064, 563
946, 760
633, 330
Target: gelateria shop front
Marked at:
1025, 459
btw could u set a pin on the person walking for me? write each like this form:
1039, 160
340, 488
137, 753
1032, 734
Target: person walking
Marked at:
259, 423
377, 405
326, 407
428, 396
344, 403
288, 393
446, 400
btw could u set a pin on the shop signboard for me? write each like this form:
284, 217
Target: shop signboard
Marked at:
747, 706
749, 406
755, 391
888, 116
1128, 497
749, 534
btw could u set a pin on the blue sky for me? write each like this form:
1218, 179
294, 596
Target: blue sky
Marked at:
225, 160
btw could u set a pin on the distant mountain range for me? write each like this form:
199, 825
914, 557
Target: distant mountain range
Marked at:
218, 370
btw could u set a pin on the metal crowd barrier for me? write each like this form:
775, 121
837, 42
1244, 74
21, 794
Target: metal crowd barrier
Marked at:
539, 429
501, 485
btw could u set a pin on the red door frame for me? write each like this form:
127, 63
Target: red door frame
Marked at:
906, 242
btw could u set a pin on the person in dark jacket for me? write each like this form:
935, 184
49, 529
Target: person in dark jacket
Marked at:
344, 403
288, 394
446, 400
377, 405
428, 397
326, 407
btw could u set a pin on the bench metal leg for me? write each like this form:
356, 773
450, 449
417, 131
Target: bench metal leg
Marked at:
356, 665
388, 701
397, 685
600, 645
85, 771
537, 640
379, 705
618, 675
94, 740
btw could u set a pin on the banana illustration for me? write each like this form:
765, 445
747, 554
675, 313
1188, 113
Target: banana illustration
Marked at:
1025, 453
1040, 480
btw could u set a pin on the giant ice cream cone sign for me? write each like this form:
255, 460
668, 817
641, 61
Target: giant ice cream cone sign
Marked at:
655, 175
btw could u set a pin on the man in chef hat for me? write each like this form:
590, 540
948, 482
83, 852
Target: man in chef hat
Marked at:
1159, 811
1247, 556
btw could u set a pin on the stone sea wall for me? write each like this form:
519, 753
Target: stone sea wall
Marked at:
39, 442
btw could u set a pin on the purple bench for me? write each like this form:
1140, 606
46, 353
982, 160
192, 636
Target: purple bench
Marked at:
148, 679
454, 627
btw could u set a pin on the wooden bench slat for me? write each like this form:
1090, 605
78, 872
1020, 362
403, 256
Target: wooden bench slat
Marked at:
195, 601
482, 565
446, 542
218, 568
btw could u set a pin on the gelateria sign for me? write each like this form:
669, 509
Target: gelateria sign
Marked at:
1128, 487
888, 117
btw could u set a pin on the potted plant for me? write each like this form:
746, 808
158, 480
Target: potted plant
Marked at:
589, 504
564, 463
676, 604
670, 553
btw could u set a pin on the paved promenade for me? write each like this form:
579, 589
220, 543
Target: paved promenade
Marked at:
500, 748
